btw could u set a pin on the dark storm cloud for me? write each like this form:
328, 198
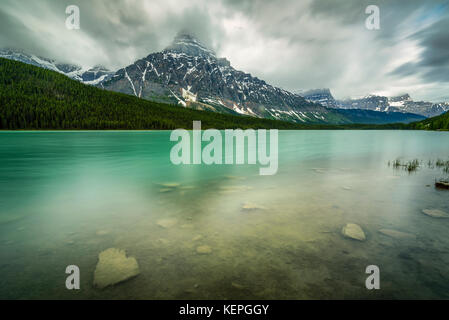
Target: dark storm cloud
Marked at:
116, 31
12, 29
348, 11
14, 34
393, 13
433, 63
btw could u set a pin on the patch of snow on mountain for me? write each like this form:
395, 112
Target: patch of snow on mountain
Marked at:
130, 81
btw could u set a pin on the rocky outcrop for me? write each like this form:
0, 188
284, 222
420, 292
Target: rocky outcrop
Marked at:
114, 267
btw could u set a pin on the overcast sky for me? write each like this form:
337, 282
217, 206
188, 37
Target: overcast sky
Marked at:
293, 44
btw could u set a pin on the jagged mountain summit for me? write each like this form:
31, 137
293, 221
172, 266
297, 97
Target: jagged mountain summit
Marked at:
403, 103
190, 74
369, 102
321, 96
90, 76
188, 44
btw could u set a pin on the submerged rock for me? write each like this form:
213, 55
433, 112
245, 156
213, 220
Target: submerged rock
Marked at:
101, 232
190, 291
235, 178
237, 286
204, 250
442, 184
162, 241
435, 213
405, 256
171, 185
353, 231
251, 206
114, 267
397, 234
232, 189
10, 217
167, 223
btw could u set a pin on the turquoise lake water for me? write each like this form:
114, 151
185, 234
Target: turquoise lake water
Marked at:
67, 196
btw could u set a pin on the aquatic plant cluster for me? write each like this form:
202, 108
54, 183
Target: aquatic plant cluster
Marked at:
414, 165
410, 166
443, 164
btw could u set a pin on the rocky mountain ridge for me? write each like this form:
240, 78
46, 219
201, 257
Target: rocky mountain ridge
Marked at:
403, 103
91, 76
191, 75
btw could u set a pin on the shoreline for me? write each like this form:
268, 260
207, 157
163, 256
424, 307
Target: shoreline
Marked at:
167, 130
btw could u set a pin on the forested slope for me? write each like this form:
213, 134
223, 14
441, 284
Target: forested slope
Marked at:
436, 123
35, 98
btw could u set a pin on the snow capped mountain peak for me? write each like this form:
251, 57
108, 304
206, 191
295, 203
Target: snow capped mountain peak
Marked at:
402, 103
90, 76
370, 96
188, 44
404, 97
212, 84
22, 56
321, 96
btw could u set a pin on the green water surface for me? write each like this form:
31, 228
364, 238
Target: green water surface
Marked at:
67, 196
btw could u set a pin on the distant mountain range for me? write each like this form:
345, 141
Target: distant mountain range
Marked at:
91, 76
403, 103
35, 98
189, 74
